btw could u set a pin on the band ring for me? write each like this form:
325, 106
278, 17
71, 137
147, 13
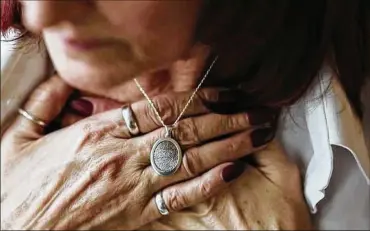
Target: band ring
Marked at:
161, 205
31, 118
129, 119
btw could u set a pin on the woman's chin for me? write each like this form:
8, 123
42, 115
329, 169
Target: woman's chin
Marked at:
95, 77
85, 77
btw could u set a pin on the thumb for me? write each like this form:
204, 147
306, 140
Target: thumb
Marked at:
44, 104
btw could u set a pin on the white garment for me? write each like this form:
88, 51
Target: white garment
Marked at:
326, 140
321, 133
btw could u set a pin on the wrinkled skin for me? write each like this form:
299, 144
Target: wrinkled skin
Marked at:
263, 198
93, 174
90, 175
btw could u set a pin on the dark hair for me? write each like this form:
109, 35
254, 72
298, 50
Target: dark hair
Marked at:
275, 49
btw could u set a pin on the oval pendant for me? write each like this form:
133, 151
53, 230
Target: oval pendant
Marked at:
166, 156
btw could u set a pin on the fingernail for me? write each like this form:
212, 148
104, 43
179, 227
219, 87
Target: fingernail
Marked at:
231, 101
231, 95
259, 117
228, 102
221, 108
232, 171
262, 136
82, 107
250, 159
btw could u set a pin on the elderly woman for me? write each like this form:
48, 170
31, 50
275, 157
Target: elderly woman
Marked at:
201, 83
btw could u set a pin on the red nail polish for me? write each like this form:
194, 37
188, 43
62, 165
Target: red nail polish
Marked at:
82, 107
261, 116
232, 171
262, 136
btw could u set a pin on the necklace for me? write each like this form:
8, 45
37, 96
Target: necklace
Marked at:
166, 153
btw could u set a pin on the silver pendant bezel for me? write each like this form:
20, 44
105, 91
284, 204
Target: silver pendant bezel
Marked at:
179, 159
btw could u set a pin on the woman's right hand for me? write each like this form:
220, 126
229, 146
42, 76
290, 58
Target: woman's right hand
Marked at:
93, 174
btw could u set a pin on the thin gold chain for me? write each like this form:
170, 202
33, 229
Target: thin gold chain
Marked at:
186, 105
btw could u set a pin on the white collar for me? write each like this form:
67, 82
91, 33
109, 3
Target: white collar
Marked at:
330, 121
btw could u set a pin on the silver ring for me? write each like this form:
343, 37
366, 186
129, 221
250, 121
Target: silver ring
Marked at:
31, 118
161, 205
129, 118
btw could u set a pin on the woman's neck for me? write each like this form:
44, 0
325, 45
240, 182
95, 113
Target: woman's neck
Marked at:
182, 75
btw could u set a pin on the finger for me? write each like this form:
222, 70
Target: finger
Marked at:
199, 159
168, 106
44, 103
69, 119
80, 108
87, 106
193, 65
194, 191
194, 131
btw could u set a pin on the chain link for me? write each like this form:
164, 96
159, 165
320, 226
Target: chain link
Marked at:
187, 103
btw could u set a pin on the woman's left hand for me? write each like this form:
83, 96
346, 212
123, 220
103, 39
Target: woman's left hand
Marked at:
268, 196
95, 174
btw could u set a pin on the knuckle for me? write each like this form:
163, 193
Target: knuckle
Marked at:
206, 189
232, 147
208, 94
150, 114
234, 121
166, 108
191, 162
90, 135
86, 134
176, 200
187, 132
